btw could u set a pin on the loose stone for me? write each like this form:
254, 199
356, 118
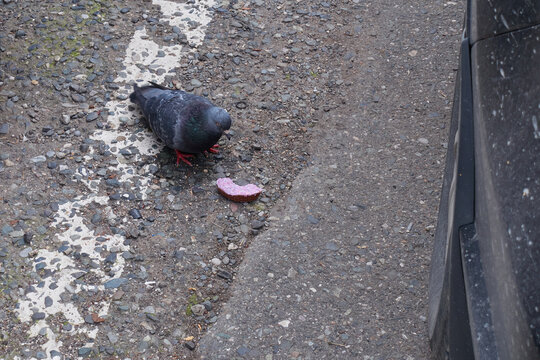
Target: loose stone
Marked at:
135, 213
115, 283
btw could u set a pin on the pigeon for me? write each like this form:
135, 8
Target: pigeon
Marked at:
187, 123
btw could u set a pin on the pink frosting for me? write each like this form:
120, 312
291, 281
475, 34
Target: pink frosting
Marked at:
229, 187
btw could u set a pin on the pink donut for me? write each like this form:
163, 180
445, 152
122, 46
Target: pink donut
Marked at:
231, 191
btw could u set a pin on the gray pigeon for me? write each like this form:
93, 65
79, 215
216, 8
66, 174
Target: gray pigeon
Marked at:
187, 123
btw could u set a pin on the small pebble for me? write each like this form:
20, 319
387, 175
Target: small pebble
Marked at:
4, 128
242, 350
92, 116
84, 351
135, 213
24, 253
38, 159
38, 316
115, 283
256, 224
312, 219
224, 274
198, 309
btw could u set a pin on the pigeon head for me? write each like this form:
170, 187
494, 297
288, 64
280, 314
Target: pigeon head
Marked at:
218, 119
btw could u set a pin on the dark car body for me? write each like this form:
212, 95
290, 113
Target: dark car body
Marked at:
485, 273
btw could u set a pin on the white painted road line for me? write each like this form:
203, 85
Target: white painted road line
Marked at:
70, 221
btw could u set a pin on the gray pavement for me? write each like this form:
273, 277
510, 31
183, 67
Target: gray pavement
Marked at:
342, 270
109, 250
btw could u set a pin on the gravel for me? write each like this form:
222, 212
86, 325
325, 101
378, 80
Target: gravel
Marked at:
115, 283
80, 169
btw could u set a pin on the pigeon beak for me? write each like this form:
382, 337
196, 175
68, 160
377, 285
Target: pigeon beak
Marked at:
226, 133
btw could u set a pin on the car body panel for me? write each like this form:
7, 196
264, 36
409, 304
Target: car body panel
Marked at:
494, 17
448, 322
506, 97
484, 282
480, 318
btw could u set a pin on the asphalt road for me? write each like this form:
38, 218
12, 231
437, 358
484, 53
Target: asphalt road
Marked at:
340, 112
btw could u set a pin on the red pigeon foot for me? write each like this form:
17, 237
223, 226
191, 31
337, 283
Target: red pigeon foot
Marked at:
214, 149
181, 156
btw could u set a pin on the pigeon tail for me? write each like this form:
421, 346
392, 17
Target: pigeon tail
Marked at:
141, 94
159, 86
136, 96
